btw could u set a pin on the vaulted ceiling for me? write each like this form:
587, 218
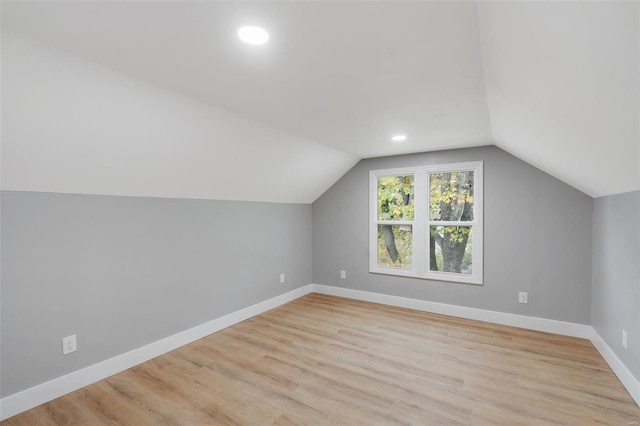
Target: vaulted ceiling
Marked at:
554, 83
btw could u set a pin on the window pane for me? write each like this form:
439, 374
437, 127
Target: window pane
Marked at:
395, 246
395, 197
451, 196
451, 249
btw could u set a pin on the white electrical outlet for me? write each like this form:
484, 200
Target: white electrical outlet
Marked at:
523, 297
624, 339
343, 274
281, 278
69, 344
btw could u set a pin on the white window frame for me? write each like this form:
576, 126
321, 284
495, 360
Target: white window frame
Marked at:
421, 223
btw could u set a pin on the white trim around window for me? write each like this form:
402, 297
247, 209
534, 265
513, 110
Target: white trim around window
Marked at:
406, 216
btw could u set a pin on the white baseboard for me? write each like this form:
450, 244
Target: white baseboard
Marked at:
626, 377
32, 397
521, 321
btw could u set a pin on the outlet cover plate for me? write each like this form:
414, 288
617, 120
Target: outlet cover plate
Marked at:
69, 344
523, 297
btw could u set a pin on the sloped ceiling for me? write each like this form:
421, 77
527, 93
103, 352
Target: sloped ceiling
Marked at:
556, 84
562, 82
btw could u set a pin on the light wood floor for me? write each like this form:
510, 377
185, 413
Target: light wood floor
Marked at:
327, 360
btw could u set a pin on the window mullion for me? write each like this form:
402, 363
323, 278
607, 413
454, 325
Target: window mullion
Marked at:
451, 223
395, 222
420, 248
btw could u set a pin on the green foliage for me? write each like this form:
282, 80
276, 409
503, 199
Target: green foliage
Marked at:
451, 196
396, 197
395, 202
456, 234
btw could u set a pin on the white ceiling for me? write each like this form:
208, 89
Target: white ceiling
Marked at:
563, 87
556, 84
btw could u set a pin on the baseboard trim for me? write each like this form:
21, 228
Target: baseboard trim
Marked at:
630, 382
40, 394
32, 397
521, 321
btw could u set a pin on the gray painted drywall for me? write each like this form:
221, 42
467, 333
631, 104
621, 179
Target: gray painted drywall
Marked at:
121, 272
616, 275
537, 238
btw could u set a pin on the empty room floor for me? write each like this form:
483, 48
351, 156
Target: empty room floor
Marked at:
328, 360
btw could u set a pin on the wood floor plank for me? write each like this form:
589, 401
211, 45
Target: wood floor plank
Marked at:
327, 360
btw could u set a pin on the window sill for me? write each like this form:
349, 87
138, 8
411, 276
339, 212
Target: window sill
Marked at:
437, 276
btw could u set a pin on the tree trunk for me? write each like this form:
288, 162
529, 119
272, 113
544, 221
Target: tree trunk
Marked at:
453, 253
390, 242
433, 264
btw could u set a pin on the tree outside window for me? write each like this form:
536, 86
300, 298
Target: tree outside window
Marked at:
427, 222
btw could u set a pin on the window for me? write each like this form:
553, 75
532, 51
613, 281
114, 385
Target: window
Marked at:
426, 222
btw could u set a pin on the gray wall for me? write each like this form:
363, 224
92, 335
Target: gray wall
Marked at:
121, 272
616, 274
537, 238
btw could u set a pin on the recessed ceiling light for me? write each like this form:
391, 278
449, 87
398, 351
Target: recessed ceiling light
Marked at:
253, 35
399, 138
